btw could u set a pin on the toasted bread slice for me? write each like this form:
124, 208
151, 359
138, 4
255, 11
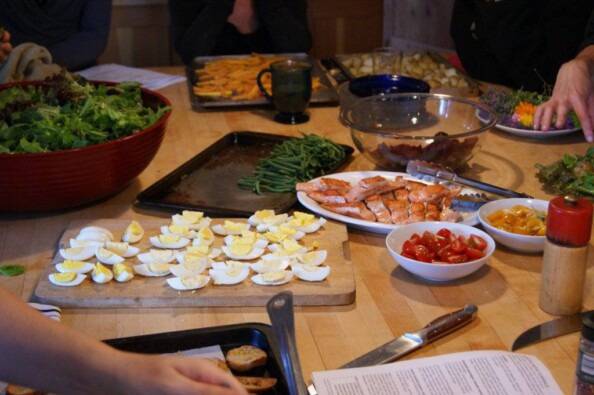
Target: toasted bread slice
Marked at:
257, 385
12, 389
244, 358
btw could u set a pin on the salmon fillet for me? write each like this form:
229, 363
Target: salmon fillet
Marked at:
329, 196
355, 210
377, 207
373, 186
324, 184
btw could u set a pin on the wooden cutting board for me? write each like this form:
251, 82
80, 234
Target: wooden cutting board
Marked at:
337, 289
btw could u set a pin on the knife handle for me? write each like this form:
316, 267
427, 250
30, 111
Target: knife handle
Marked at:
448, 323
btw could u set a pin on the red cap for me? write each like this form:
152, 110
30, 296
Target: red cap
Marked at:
569, 221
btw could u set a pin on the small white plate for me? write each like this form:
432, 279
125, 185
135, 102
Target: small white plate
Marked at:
469, 218
530, 133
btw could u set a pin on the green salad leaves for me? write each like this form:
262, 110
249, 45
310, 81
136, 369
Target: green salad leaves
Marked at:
68, 112
11, 270
572, 174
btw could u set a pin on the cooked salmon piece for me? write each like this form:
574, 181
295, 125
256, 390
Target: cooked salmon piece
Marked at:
447, 214
332, 197
414, 185
355, 210
417, 212
324, 184
398, 211
433, 212
373, 186
429, 194
377, 207
401, 194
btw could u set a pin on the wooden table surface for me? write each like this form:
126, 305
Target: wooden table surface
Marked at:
389, 301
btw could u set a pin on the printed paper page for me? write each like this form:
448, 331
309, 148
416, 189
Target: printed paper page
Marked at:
468, 373
118, 73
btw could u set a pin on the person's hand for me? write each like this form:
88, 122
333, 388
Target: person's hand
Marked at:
171, 375
244, 17
574, 90
5, 47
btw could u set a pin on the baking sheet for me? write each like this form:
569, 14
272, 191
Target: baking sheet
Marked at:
208, 182
325, 96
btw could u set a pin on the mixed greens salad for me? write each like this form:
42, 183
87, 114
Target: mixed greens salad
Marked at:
572, 174
68, 112
516, 108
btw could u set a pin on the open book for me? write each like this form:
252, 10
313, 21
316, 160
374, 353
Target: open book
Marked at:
474, 372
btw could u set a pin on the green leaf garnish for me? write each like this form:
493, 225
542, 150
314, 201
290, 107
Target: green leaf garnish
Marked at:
11, 270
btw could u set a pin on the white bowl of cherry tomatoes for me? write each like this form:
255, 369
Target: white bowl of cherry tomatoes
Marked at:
440, 251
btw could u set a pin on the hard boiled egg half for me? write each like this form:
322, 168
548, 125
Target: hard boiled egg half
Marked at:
169, 241
108, 257
245, 247
193, 252
157, 256
101, 274
153, 269
306, 223
95, 233
204, 237
311, 272
122, 272
133, 233
122, 249
273, 278
229, 275
78, 253
315, 258
231, 228
190, 266
188, 283
264, 219
191, 219
178, 230
277, 234
66, 279
288, 248
69, 266
84, 243
271, 265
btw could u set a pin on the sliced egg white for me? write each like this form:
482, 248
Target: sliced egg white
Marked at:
96, 229
197, 252
66, 279
179, 230
156, 256
256, 242
69, 266
101, 274
263, 219
133, 233
84, 243
153, 269
109, 258
315, 258
204, 237
229, 265
273, 278
188, 283
78, 253
306, 223
279, 233
193, 219
242, 252
122, 272
231, 228
229, 276
311, 272
288, 248
122, 249
190, 266
169, 241
271, 265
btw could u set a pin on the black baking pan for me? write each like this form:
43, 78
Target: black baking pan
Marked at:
325, 96
208, 181
228, 337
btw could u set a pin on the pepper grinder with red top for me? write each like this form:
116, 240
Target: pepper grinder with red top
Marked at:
569, 225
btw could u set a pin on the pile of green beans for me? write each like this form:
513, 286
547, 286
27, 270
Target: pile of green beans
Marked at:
295, 160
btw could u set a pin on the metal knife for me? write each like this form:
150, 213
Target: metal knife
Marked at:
419, 169
412, 341
550, 329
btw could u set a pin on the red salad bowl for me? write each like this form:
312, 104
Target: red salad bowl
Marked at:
66, 179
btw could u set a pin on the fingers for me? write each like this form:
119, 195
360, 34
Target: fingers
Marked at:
585, 119
561, 115
546, 117
208, 373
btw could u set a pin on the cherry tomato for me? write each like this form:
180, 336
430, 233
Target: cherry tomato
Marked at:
415, 239
444, 253
477, 242
409, 256
443, 232
430, 242
456, 259
473, 254
408, 248
441, 241
458, 246
422, 253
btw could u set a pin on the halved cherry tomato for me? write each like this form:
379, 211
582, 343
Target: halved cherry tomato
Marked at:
443, 232
430, 241
441, 241
409, 256
477, 242
408, 248
456, 259
415, 239
473, 254
458, 246
422, 253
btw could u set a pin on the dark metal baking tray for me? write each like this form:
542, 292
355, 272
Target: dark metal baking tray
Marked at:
325, 96
208, 181
228, 337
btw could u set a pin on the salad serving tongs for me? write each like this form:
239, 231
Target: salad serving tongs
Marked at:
419, 169
280, 311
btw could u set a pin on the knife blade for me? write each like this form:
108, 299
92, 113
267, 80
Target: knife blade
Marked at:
550, 329
412, 341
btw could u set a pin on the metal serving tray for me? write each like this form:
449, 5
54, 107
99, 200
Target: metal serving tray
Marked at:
228, 337
325, 96
208, 181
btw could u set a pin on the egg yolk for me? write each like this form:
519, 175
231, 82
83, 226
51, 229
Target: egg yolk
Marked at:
290, 246
241, 249
275, 237
191, 281
206, 234
64, 277
135, 228
304, 217
168, 239
264, 214
234, 226
121, 269
158, 267
179, 230
192, 216
309, 258
272, 277
118, 248
197, 250
104, 253
73, 265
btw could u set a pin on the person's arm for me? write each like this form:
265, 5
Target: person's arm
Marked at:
286, 24
39, 353
197, 24
573, 91
83, 48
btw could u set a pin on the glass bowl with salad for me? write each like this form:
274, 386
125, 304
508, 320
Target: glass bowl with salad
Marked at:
393, 129
67, 142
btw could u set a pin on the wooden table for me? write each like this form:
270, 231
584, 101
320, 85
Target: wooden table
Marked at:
389, 300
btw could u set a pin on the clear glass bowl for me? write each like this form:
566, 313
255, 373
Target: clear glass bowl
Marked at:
391, 129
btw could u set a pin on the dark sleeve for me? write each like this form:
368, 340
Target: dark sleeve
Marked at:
531, 43
197, 24
286, 24
589, 33
83, 48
